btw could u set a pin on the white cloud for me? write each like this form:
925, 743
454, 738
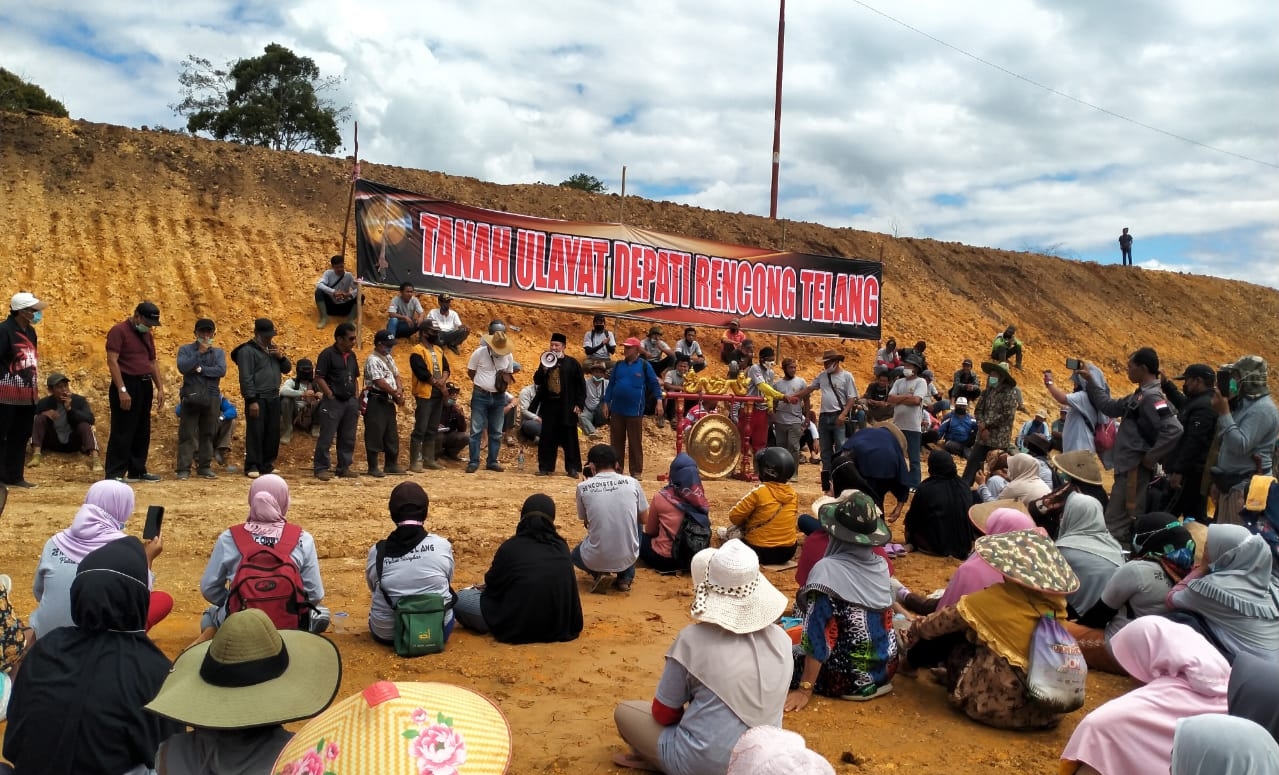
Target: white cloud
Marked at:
882, 128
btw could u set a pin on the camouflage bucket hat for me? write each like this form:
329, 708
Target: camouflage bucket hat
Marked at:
856, 520
1030, 559
1253, 373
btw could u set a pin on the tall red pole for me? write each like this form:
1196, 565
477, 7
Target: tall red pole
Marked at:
777, 111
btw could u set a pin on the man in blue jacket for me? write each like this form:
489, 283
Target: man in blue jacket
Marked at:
633, 380
959, 430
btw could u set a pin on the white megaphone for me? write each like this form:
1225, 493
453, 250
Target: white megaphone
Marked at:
550, 359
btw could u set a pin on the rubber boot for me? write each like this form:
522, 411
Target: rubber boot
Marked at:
825, 481
373, 469
324, 315
415, 457
428, 457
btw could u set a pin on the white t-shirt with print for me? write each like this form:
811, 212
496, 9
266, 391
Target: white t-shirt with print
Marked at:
610, 504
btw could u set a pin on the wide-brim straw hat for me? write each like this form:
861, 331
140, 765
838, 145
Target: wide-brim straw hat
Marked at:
776, 751
250, 675
1030, 559
403, 729
990, 367
830, 355
729, 590
979, 514
497, 343
1081, 465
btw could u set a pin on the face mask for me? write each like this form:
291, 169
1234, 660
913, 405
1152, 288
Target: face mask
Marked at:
908, 373
452, 401
37, 316
597, 379
769, 364
961, 410
991, 382
141, 328
206, 340
833, 368
599, 327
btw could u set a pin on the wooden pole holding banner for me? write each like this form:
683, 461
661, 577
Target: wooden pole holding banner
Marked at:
346, 225
621, 215
350, 200
777, 111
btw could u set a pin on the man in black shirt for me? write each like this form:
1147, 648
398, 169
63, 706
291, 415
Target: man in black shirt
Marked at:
337, 372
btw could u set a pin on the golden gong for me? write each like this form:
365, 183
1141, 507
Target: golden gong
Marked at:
714, 444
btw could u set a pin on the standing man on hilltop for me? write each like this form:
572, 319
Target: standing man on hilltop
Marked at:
19, 391
202, 367
1125, 247
135, 384
261, 366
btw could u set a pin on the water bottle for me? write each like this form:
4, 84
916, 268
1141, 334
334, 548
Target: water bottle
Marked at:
519, 459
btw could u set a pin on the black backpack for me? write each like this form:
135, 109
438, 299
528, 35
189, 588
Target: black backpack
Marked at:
691, 538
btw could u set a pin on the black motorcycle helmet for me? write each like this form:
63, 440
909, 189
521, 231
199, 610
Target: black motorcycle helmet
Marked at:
774, 464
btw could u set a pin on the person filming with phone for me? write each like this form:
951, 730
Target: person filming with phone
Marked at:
1247, 424
1149, 431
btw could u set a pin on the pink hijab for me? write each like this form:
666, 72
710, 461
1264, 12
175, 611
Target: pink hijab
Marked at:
106, 508
268, 503
975, 574
1183, 676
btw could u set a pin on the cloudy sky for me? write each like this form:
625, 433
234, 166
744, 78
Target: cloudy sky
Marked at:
884, 127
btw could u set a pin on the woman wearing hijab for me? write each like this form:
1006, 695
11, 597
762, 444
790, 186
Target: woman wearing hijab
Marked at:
1163, 553
937, 520
848, 648
78, 700
237, 691
703, 704
529, 594
682, 496
101, 520
1254, 692
1181, 675
983, 641
1093, 553
974, 574
410, 561
266, 524
1230, 596
1213, 744
1024, 483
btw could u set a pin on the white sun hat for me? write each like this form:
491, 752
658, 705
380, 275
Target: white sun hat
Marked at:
729, 591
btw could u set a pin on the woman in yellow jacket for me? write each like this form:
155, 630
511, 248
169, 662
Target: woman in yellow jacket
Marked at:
765, 518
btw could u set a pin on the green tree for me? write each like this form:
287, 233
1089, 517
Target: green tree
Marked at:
273, 100
19, 95
585, 182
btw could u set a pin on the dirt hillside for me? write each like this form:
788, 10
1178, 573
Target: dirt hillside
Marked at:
95, 218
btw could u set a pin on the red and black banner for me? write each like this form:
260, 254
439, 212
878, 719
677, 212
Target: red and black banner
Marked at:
609, 268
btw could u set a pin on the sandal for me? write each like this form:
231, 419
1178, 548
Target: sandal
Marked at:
597, 586
634, 761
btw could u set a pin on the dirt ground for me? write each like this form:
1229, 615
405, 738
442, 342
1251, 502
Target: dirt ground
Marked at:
95, 218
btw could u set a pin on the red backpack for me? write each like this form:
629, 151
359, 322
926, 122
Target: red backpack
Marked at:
268, 580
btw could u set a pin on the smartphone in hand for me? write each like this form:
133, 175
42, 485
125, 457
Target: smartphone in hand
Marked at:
155, 518
1224, 380
1074, 364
